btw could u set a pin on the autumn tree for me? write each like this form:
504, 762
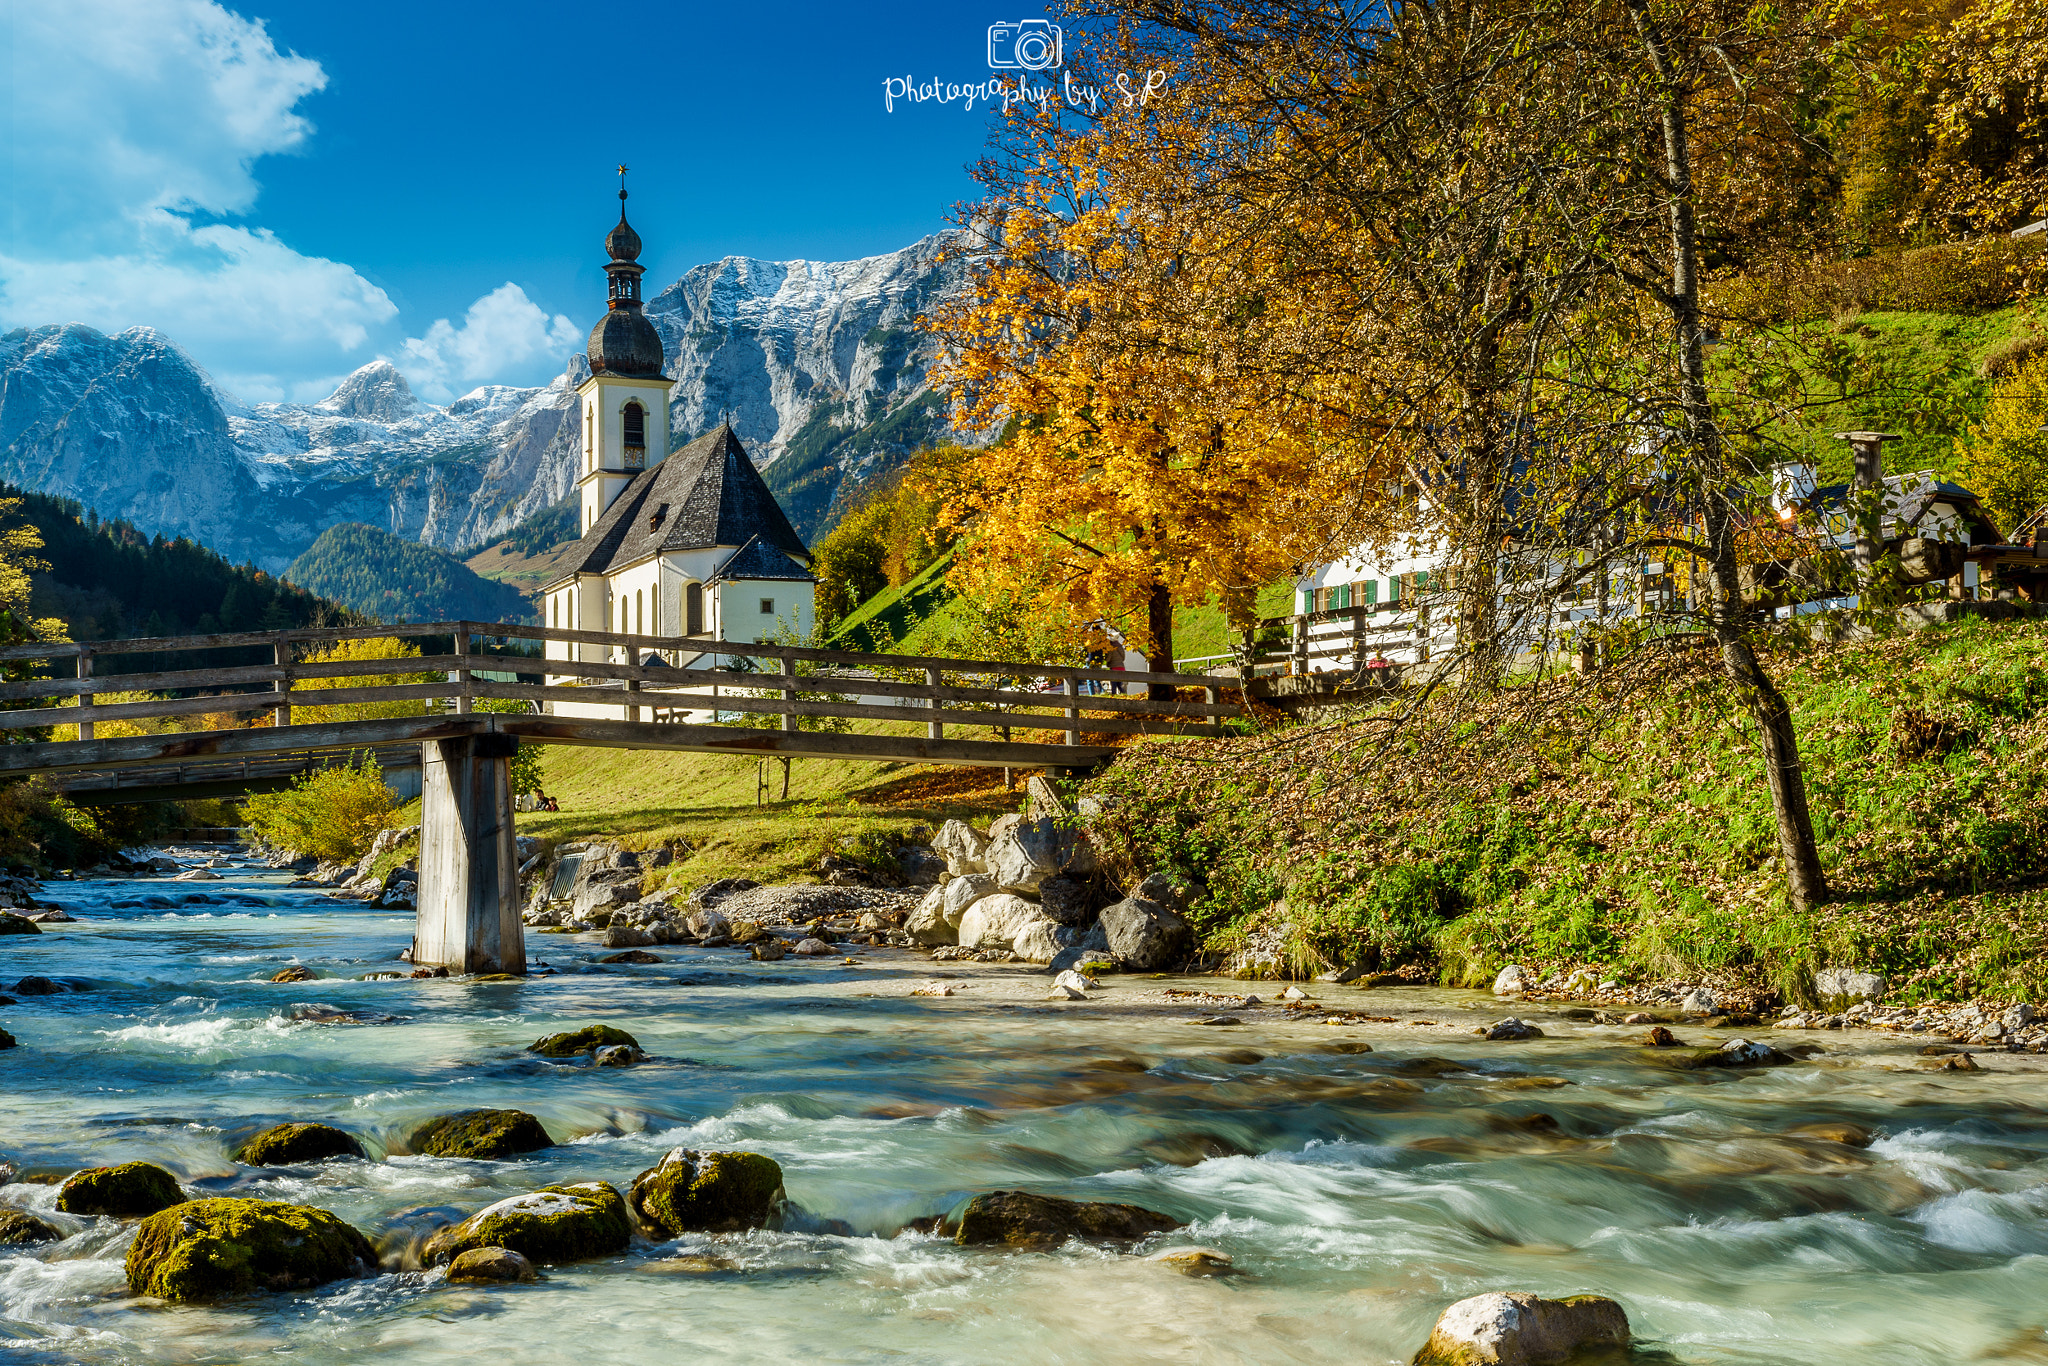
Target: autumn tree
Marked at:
2005, 457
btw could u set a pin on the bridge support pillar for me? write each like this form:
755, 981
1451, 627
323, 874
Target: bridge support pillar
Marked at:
468, 918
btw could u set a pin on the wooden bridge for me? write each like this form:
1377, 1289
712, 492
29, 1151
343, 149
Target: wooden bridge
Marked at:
261, 724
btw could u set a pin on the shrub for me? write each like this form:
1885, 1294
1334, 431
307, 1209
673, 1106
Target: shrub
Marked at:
1955, 277
1388, 919
353, 651
332, 814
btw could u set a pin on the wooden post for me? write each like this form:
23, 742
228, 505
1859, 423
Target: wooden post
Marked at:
785, 777
788, 717
1073, 690
934, 730
281, 715
1358, 620
461, 674
1866, 494
1301, 644
468, 917
84, 697
632, 708
1215, 726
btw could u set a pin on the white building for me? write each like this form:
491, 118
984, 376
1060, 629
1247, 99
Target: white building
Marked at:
687, 543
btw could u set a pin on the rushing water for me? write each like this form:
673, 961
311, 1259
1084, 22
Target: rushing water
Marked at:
1356, 1193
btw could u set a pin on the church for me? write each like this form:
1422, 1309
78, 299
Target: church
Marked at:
684, 543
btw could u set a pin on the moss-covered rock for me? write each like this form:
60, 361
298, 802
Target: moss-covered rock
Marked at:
282, 1145
481, 1133
128, 1191
19, 1227
1021, 1219
204, 1249
580, 1041
693, 1192
552, 1224
10, 923
486, 1264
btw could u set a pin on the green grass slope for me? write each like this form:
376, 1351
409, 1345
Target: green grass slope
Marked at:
1644, 848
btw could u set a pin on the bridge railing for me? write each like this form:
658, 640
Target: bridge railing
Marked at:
662, 676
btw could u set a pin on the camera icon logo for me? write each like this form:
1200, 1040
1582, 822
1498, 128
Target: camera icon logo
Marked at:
1027, 45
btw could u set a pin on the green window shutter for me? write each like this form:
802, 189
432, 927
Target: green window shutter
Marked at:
1341, 595
1372, 591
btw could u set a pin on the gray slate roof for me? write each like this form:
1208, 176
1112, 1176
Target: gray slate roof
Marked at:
706, 494
759, 560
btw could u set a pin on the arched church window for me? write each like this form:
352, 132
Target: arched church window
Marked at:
693, 598
636, 425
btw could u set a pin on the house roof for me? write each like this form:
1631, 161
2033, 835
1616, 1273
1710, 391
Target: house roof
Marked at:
705, 495
759, 560
1909, 497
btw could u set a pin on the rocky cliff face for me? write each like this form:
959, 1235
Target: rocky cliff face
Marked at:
818, 363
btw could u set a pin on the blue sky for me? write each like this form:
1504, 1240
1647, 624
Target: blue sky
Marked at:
291, 189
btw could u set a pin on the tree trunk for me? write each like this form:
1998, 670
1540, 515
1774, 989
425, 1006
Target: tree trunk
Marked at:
1159, 630
1727, 614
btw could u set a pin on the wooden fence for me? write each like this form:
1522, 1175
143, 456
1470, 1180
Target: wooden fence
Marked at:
665, 678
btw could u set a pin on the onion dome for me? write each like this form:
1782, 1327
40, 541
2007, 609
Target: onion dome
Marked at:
625, 343
622, 242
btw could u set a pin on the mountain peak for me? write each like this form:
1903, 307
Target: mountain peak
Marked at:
376, 392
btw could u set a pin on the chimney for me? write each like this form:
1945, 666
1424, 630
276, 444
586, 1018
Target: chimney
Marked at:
1792, 483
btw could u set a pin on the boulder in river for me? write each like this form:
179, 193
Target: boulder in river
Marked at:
579, 1041
994, 922
491, 1264
10, 923
962, 848
1042, 940
568, 1223
1699, 1001
1519, 1329
927, 923
36, 986
1144, 935
707, 1192
127, 1191
1022, 1219
7, 1040
205, 1249
1512, 1028
617, 1055
284, 1145
1067, 899
1028, 854
18, 1228
1511, 980
295, 974
481, 1134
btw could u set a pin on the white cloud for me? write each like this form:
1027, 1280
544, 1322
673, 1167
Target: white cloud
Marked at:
503, 332
124, 120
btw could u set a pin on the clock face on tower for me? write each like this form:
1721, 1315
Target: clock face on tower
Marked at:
636, 458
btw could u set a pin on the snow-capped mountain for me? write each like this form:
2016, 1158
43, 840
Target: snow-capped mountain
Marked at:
818, 364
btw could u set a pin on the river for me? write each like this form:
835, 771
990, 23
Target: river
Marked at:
1357, 1192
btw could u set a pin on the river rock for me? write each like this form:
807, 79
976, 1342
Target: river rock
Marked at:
746, 932
296, 974
767, 951
1070, 978
963, 850
197, 875
1195, 1261
56, 915
1062, 992
481, 1134
1698, 1001
35, 986
1041, 941
707, 1192
1745, 1053
708, 924
1840, 988
568, 1223
1022, 1219
1067, 899
1519, 1329
1027, 855
617, 936
1003, 825
616, 1055
8, 1041
576, 1042
206, 1249
927, 924
922, 865
1144, 935
19, 1228
962, 892
814, 948
485, 1265
127, 1191
284, 1145
1511, 980
10, 923
1511, 1029
994, 921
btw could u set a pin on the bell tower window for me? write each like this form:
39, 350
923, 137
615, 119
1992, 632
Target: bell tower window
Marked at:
633, 421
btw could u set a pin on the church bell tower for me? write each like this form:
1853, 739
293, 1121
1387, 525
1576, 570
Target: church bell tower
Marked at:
625, 400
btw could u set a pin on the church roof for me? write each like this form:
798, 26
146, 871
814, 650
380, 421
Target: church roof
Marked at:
707, 494
757, 559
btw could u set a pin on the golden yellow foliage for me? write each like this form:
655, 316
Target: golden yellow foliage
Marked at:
2004, 459
377, 648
